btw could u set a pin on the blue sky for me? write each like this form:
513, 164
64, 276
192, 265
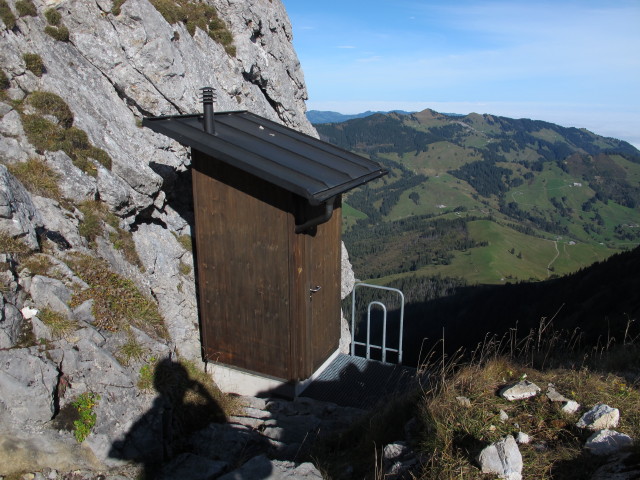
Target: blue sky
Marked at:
575, 63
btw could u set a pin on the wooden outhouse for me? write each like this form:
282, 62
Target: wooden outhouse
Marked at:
267, 202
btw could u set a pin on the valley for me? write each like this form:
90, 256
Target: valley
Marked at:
489, 199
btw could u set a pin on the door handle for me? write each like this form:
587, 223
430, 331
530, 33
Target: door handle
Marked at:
313, 290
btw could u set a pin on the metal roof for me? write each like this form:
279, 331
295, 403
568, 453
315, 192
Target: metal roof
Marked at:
299, 163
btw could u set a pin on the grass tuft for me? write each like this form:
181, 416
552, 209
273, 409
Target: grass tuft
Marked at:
91, 226
59, 323
4, 80
33, 62
26, 8
197, 15
53, 16
46, 135
184, 269
131, 350
47, 103
7, 16
37, 177
60, 34
11, 245
117, 301
185, 241
117, 6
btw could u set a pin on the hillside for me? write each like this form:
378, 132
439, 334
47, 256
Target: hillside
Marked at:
489, 198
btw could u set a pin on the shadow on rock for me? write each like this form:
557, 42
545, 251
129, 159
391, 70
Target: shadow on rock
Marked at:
182, 407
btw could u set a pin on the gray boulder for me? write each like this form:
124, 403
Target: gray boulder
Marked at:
606, 442
27, 383
11, 324
18, 216
502, 458
520, 391
600, 417
50, 293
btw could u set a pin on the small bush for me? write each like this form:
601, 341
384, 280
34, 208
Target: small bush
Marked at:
7, 16
26, 8
37, 177
53, 16
60, 34
33, 63
85, 405
47, 103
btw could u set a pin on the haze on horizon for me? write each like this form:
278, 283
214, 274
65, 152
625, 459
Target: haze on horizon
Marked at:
570, 62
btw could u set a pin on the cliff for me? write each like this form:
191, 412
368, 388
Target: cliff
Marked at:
95, 214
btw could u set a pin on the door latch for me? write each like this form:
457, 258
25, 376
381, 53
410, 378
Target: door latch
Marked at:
313, 290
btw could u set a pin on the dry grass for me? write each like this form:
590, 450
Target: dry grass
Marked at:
117, 301
11, 245
452, 434
59, 324
37, 177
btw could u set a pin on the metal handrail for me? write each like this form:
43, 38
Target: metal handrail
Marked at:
368, 343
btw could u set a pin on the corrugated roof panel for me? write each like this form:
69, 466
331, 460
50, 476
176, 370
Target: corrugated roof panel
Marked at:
297, 162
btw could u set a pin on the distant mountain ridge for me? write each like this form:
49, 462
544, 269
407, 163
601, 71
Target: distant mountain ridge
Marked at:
325, 116
488, 198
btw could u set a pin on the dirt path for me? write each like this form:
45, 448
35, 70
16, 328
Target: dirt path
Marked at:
555, 244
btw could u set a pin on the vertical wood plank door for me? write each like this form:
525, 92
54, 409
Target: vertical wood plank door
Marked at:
323, 261
242, 246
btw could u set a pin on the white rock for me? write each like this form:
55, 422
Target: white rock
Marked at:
503, 416
502, 458
600, 417
571, 407
464, 401
28, 313
520, 391
522, 438
606, 442
554, 396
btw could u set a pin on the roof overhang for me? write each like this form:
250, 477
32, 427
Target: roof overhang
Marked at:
299, 163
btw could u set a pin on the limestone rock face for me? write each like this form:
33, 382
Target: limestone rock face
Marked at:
18, 216
117, 67
27, 382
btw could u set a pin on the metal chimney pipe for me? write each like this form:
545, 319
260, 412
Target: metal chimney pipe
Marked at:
208, 97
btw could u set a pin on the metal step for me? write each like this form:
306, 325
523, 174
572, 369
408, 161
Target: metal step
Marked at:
357, 382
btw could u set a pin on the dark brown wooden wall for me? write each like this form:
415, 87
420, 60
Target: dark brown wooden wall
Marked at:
254, 275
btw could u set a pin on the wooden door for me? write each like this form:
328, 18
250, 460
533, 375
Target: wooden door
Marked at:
322, 256
243, 230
